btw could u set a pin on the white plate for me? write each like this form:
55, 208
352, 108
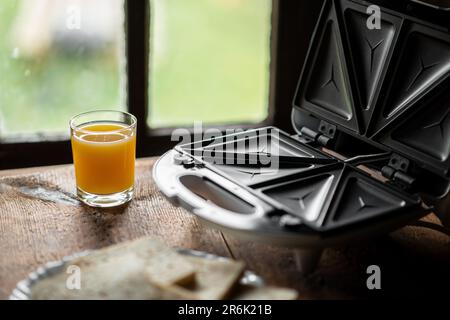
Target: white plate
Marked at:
23, 288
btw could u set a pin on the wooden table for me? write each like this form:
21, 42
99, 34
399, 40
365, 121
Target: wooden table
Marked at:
41, 220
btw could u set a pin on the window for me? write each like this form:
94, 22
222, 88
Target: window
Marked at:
58, 58
209, 61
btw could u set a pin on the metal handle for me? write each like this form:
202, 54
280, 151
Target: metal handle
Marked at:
173, 180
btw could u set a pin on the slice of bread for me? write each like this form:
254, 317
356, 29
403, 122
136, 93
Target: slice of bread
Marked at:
214, 279
166, 266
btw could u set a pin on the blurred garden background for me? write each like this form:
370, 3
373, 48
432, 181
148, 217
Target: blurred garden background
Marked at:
209, 61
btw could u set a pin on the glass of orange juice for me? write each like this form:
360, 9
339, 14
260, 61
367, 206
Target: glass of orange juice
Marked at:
104, 153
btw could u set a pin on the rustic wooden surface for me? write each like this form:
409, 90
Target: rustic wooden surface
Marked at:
41, 220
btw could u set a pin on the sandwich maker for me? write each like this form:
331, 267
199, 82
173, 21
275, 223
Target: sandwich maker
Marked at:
371, 149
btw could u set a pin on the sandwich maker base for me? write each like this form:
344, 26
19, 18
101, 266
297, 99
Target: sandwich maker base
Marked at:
378, 97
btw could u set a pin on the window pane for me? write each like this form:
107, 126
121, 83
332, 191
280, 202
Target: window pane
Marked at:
209, 61
58, 58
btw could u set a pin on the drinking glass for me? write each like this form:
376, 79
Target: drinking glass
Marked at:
104, 153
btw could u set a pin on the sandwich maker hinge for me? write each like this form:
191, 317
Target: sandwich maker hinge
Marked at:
323, 135
397, 172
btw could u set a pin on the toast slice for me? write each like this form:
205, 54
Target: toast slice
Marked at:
164, 265
214, 279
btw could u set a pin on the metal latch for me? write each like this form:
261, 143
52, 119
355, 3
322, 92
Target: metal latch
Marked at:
325, 133
397, 171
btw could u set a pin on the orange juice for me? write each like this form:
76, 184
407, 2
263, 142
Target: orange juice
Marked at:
104, 157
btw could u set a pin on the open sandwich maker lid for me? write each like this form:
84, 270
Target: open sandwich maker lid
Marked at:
385, 85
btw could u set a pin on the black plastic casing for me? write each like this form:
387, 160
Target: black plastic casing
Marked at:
384, 89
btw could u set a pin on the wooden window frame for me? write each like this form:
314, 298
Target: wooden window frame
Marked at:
292, 26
